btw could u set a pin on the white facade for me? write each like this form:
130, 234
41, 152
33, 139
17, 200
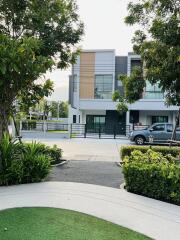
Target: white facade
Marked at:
105, 64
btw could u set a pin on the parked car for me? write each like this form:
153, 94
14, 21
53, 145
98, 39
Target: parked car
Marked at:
157, 133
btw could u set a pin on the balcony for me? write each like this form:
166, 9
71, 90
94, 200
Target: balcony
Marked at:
153, 95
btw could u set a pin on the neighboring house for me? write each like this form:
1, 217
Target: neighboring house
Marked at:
94, 79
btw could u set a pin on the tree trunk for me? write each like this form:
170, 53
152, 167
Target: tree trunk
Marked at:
4, 118
16, 129
173, 138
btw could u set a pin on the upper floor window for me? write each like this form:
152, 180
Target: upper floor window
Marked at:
153, 91
136, 63
103, 86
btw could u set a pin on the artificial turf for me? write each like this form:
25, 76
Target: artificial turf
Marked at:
59, 224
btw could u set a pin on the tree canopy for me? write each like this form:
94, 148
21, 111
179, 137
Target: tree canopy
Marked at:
35, 36
158, 43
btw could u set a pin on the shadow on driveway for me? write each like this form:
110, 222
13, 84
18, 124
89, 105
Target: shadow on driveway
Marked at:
107, 174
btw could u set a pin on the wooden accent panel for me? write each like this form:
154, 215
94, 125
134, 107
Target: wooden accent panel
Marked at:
87, 72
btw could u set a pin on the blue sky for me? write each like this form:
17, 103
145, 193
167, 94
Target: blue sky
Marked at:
104, 29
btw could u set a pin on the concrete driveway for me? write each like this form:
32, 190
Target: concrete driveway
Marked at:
87, 149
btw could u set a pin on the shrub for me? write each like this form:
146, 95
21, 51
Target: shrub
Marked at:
22, 163
35, 167
153, 175
9, 157
127, 150
55, 153
34, 147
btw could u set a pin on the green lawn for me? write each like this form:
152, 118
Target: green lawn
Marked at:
58, 224
57, 131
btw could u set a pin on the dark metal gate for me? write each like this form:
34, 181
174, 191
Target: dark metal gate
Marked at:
99, 131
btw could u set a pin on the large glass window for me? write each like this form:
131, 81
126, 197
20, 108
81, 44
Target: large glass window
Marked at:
159, 119
95, 123
103, 86
153, 91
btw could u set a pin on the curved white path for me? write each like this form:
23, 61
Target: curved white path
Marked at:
156, 219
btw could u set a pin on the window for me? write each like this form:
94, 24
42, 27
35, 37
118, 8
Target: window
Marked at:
135, 63
74, 118
160, 127
153, 91
74, 83
103, 86
159, 119
169, 127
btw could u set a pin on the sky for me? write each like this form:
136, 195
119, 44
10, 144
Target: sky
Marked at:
104, 29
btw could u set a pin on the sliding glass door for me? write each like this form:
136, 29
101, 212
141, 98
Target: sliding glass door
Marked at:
95, 123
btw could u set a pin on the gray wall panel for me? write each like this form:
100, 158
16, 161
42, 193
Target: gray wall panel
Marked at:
120, 68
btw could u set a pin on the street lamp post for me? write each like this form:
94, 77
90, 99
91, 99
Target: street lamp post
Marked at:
58, 103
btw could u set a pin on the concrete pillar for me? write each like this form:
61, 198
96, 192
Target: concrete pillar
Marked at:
128, 128
128, 117
174, 117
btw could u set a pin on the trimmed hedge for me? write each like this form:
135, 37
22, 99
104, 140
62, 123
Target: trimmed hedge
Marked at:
152, 175
127, 150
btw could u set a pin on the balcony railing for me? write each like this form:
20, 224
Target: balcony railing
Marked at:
153, 95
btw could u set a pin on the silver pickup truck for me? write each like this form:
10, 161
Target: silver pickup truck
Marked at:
157, 133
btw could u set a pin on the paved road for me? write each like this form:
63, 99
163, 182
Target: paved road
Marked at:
99, 173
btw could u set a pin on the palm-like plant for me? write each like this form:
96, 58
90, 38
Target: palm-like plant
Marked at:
36, 162
10, 152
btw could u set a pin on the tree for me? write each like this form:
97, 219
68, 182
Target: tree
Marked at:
54, 109
59, 109
158, 43
133, 88
31, 99
35, 36
63, 110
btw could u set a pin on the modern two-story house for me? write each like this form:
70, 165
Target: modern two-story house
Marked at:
93, 80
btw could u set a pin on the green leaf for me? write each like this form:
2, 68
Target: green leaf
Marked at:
3, 69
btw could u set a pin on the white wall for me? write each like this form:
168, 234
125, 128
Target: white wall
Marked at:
145, 117
72, 111
151, 104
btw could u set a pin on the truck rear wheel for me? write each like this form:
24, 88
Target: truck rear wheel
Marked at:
140, 140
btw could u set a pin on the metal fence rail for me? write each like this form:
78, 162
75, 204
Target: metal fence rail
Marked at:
56, 127
109, 131
32, 126
99, 131
78, 131
43, 126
